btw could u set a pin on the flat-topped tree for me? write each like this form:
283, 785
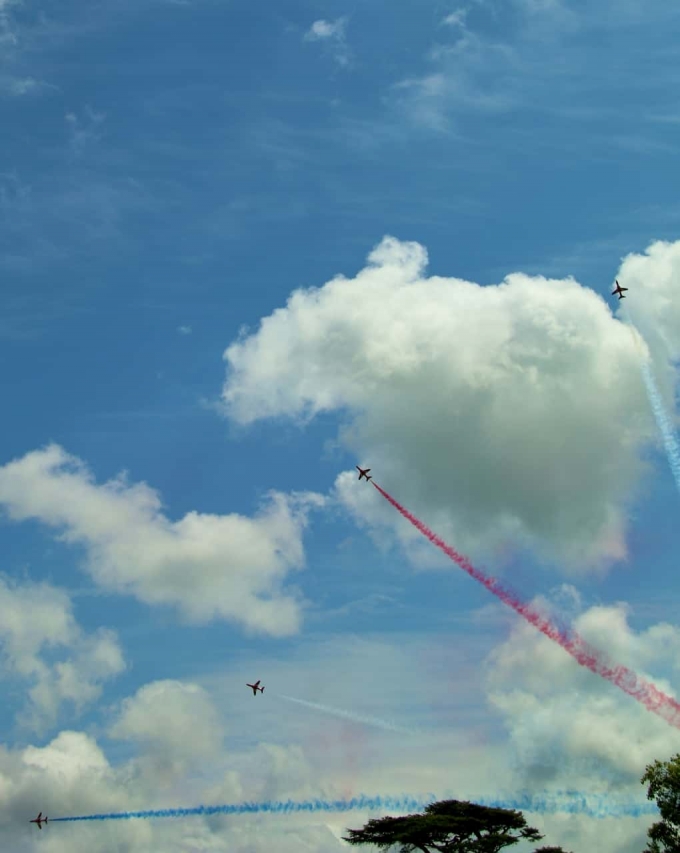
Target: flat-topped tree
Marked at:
448, 826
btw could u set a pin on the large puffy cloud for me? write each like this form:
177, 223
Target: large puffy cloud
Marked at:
208, 566
37, 619
571, 727
177, 724
501, 411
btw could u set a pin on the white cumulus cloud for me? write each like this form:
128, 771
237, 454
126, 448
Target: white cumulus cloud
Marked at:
652, 302
208, 566
36, 620
176, 723
509, 411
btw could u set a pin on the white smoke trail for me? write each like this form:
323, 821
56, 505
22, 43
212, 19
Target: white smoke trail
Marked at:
348, 715
661, 417
663, 422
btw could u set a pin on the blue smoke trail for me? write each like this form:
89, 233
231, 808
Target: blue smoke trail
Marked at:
661, 417
348, 715
571, 802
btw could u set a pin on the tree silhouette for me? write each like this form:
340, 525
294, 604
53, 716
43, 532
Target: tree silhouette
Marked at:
449, 826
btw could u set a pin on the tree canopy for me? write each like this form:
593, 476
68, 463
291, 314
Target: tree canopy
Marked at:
449, 826
663, 778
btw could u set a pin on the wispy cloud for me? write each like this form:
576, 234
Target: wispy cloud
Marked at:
326, 30
18, 86
26, 40
456, 18
57, 214
333, 33
8, 36
545, 56
184, 330
83, 129
16, 80
368, 604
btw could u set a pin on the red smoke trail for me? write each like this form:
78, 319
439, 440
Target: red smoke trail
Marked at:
582, 652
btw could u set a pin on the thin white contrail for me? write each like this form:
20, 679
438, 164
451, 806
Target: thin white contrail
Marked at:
661, 417
348, 715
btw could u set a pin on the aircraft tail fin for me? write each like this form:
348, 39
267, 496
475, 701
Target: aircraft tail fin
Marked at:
262, 689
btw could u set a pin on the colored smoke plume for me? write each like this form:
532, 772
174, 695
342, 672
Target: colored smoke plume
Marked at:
570, 802
583, 653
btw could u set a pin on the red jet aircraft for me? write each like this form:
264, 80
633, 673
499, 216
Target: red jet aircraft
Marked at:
39, 820
363, 472
255, 687
618, 290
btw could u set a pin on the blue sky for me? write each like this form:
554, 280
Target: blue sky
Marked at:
459, 185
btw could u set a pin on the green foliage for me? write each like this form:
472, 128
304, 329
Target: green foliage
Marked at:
448, 826
663, 778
